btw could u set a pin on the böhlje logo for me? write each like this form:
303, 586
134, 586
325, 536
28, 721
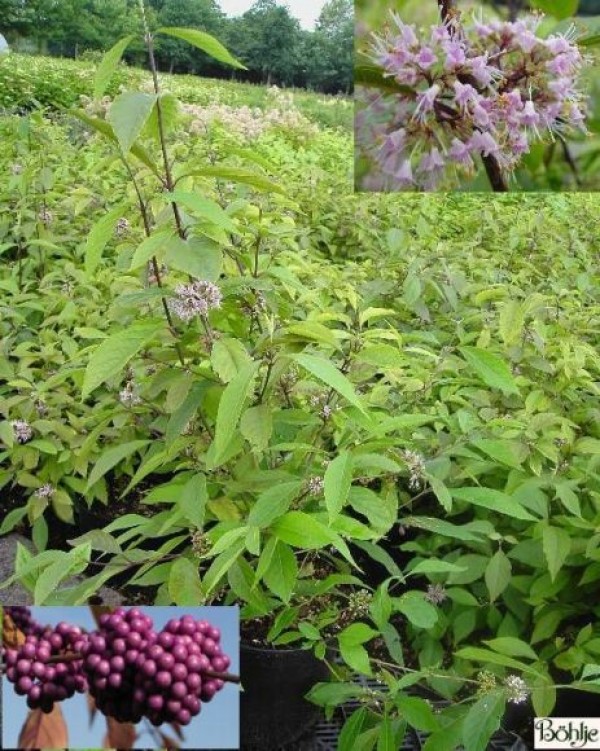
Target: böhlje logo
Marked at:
566, 733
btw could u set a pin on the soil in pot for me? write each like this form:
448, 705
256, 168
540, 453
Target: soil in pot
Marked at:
273, 710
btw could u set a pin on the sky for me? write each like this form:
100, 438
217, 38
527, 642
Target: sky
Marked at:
217, 725
306, 11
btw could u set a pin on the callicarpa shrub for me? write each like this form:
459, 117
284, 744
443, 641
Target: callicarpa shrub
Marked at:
484, 90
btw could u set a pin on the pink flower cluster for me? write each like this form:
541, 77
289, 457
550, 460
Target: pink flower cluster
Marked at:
488, 89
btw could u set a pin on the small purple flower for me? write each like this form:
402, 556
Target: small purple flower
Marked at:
464, 93
426, 100
46, 491
455, 56
22, 431
484, 143
316, 485
195, 299
431, 161
426, 58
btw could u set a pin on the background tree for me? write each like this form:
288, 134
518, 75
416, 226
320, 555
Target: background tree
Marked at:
331, 60
267, 39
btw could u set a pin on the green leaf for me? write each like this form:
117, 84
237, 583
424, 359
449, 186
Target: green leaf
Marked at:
193, 499
184, 583
560, 9
482, 721
237, 175
497, 574
419, 612
476, 654
205, 208
229, 356
68, 564
198, 256
183, 414
149, 247
556, 543
353, 653
417, 713
442, 527
109, 64
385, 737
434, 566
511, 321
510, 645
505, 452
324, 371
98, 539
494, 500
128, 115
282, 573
98, 238
111, 458
256, 426
590, 41
104, 128
230, 408
113, 354
337, 482
333, 694
373, 77
273, 503
204, 42
492, 370
313, 332
352, 730
442, 493
301, 530
221, 565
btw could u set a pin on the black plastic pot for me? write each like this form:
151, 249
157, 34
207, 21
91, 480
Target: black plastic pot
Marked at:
273, 710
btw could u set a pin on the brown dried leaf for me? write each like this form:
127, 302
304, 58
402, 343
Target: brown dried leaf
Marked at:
98, 610
91, 707
11, 636
44, 730
120, 735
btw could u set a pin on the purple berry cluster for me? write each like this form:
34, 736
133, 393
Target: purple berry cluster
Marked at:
483, 90
45, 682
133, 671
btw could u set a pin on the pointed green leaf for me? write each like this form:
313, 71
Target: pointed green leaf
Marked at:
98, 238
193, 499
109, 64
111, 356
273, 503
111, 458
198, 256
482, 721
494, 500
492, 370
204, 208
230, 408
324, 371
282, 573
184, 583
204, 42
497, 574
128, 115
256, 426
337, 482
556, 543
228, 356
237, 175
105, 128
151, 246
